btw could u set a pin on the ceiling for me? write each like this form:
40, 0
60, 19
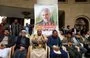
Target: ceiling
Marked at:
15, 11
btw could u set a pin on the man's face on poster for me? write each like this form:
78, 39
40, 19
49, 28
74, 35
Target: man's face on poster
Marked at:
46, 15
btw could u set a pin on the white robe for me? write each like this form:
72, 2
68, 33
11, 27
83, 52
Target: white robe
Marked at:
4, 53
38, 53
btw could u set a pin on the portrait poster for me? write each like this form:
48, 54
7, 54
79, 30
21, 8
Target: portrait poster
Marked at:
46, 18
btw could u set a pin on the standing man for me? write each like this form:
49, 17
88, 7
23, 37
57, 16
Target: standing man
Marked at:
4, 25
15, 28
27, 28
31, 28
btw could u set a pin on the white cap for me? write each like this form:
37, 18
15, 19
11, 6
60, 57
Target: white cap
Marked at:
24, 31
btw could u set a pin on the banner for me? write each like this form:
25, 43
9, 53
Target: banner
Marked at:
46, 18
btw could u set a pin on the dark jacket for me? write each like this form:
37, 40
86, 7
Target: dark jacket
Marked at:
11, 40
54, 41
18, 43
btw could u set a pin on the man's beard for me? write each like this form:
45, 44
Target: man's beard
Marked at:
45, 20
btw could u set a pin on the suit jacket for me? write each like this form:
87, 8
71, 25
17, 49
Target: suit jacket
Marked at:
18, 42
11, 40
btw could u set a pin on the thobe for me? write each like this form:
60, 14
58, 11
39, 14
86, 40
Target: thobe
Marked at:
37, 51
4, 53
56, 41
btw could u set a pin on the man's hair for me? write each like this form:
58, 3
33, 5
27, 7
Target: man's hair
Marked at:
54, 31
46, 10
68, 26
69, 32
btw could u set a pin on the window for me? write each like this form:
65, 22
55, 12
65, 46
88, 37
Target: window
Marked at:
81, 0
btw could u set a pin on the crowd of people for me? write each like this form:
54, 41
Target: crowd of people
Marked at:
67, 43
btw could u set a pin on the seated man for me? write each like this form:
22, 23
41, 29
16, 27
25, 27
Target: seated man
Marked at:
87, 44
55, 45
38, 45
22, 45
6, 41
73, 46
78, 41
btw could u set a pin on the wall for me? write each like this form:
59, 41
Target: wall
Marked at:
18, 3
72, 9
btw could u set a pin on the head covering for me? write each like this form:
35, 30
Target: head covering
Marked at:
24, 31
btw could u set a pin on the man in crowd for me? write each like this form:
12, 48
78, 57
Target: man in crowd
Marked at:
87, 36
22, 45
68, 29
87, 44
74, 46
27, 28
75, 29
15, 28
6, 41
3, 26
38, 45
31, 28
72, 50
80, 39
55, 45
